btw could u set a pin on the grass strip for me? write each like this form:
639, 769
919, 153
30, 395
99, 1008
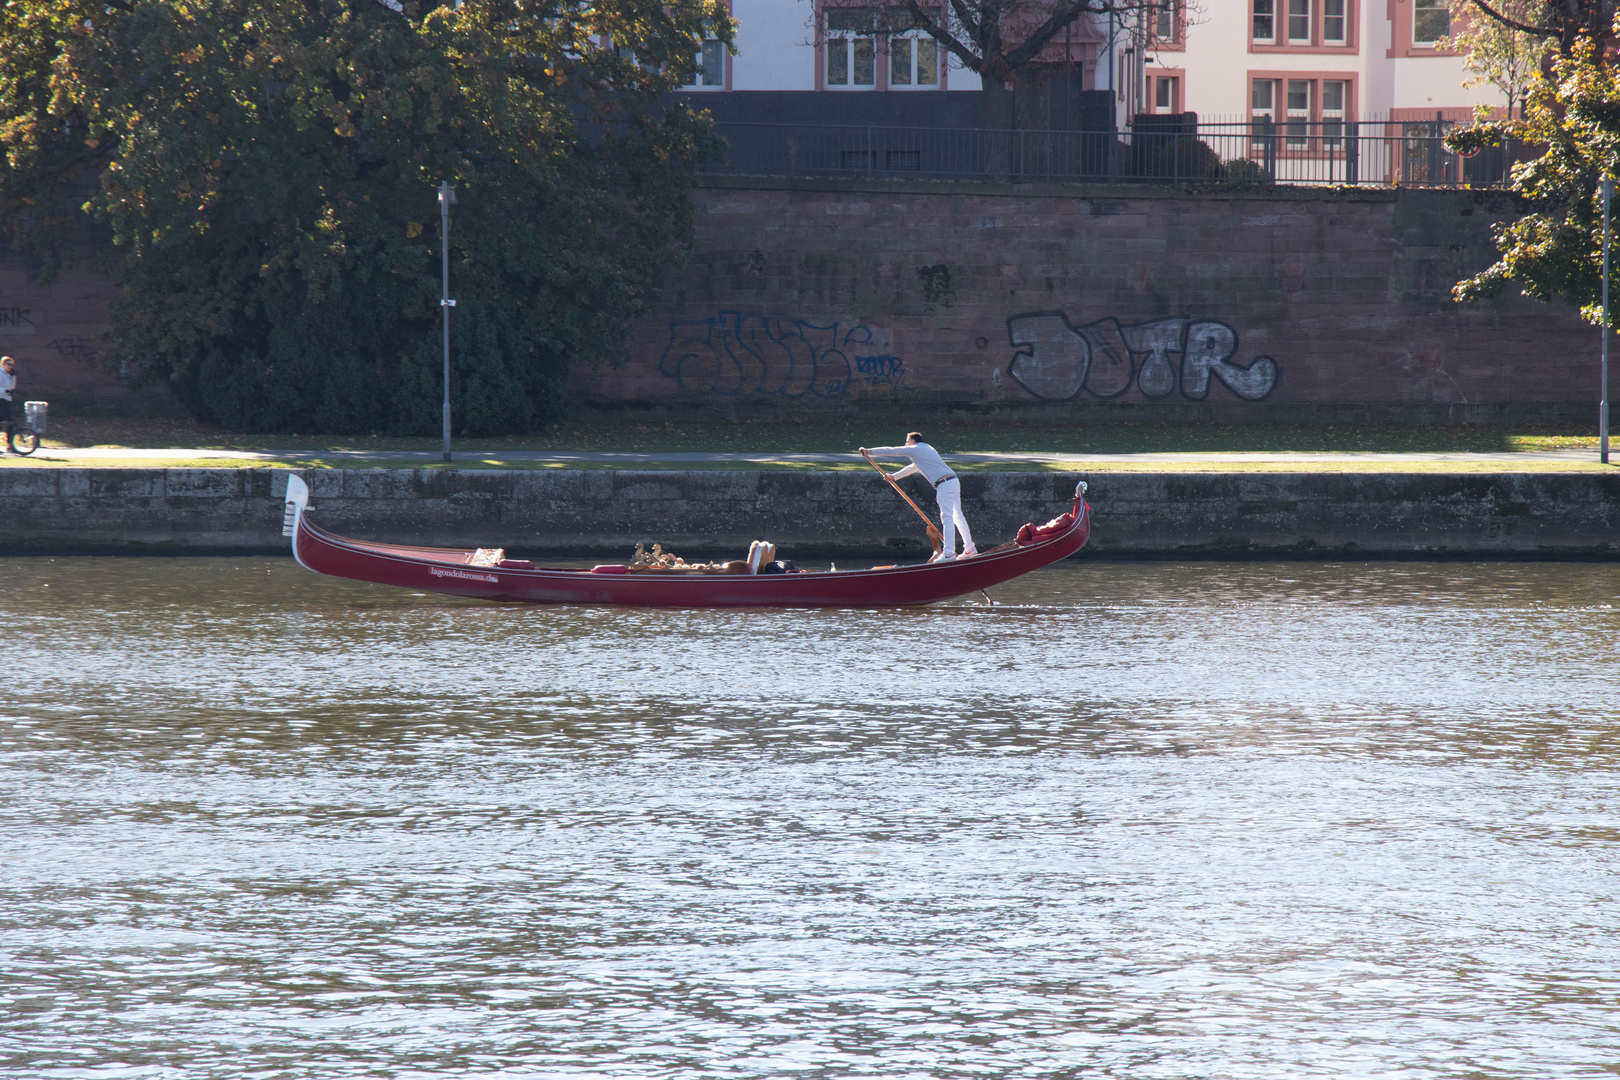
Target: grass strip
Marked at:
964, 436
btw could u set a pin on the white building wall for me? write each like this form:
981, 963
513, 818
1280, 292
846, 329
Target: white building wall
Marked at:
960, 78
774, 45
1377, 41
1437, 84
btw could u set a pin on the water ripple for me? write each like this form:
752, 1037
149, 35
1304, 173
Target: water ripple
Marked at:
1270, 820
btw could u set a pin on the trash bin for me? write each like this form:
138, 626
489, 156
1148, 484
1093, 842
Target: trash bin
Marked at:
36, 413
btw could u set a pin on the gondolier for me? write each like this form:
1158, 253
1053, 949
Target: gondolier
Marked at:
925, 460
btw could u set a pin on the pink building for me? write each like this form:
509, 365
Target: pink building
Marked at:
1317, 61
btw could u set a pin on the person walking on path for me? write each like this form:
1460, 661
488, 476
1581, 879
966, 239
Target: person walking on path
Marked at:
8, 383
925, 460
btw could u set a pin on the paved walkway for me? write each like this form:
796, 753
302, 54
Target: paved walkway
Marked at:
629, 460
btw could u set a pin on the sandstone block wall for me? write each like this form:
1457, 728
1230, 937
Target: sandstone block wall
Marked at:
54, 330
833, 298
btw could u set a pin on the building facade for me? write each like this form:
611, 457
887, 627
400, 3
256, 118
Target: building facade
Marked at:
1314, 61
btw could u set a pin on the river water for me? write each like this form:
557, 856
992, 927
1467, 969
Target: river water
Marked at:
1137, 821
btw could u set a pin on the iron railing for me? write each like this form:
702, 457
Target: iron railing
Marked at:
1377, 153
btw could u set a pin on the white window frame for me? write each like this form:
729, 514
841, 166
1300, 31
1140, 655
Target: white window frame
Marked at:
1329, 18
1268, 111
850, 46
1429, 6
1293, 16
1166, 20
1263, 9
914, 43
1297, 138
710, 73
1167, 87
1333, 118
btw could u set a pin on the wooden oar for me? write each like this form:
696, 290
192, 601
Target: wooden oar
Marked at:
934, 536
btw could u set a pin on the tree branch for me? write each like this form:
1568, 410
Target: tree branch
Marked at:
1514, 24
1063, 13
939, 33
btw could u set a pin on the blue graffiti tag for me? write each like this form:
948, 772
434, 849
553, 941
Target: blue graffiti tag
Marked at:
739, 353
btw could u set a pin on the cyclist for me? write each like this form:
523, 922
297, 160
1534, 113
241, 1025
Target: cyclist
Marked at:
8, 383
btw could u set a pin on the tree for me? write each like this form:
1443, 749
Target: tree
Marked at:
1554, 252
1497, 52
1000, 40
265, 171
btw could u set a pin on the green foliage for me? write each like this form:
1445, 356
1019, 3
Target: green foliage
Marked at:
1555, 251
267, 168
1174, 157
1241, 172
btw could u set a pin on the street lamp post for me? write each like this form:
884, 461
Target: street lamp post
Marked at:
447, 199
1603, 368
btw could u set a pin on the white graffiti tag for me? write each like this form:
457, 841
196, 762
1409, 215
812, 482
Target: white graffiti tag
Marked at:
1056, 360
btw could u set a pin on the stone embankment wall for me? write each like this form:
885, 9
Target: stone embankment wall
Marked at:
1136, 514
838, 298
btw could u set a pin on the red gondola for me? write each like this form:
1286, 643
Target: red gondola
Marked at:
447, 570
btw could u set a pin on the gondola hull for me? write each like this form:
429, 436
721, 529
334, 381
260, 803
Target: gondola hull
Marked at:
450, 571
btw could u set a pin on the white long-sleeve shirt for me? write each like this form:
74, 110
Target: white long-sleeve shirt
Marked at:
8, 383
924, 459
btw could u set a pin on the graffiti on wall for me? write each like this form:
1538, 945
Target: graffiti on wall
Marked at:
17, 321
742, 353
74, 348
1055, 360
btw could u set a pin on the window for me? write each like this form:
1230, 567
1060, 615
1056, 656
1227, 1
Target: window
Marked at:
1315, 25
1300, 116
1333, 24
1299, 22
1166, 94
851, 47
1166, 16
1431, 21
1297, 131
913, 61
1262, 109
1265, 21
711, 66
1263, 99
1333, 95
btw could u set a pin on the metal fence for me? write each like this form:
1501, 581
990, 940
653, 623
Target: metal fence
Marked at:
1377, 153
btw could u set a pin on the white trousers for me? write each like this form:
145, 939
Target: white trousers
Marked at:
949, 495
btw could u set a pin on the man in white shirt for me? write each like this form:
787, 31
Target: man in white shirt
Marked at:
947, 490
8, 383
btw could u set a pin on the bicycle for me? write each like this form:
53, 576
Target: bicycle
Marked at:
23, 436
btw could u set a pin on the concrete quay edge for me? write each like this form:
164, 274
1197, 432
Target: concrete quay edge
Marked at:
1158, 515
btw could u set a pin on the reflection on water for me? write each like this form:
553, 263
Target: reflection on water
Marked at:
1136, 820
